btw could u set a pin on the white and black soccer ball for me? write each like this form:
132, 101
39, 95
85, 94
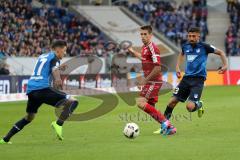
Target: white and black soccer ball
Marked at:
131, 130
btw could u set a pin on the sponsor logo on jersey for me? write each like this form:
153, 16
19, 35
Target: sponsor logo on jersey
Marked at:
191, 58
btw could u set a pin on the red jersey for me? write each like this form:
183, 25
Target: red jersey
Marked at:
150, 59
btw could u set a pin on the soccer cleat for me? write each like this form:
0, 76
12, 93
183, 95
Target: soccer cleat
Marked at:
3, 142
170, 131
158, 131
58, 130
164, 126
166, 129
201, 109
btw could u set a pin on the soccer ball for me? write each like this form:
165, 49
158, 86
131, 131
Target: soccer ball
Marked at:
131, 130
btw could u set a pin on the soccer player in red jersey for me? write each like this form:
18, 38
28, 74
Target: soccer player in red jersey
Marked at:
151, 83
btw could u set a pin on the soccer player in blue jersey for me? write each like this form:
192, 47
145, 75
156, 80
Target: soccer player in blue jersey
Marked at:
191, 86
39, 91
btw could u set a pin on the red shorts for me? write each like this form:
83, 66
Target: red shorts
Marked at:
150, 92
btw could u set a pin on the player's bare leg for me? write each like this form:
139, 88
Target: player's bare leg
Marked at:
69, 106
195, 106
167, 128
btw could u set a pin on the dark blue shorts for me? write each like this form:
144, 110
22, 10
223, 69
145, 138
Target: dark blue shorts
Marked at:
189, 88
48, 96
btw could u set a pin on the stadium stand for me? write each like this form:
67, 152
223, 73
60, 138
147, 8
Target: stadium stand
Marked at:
232, 40
29, 31
118, 29
64, 3
51, 2
173, 20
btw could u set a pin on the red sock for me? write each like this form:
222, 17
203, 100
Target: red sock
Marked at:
157, 115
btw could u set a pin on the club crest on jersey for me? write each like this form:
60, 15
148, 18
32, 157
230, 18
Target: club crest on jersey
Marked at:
191, 58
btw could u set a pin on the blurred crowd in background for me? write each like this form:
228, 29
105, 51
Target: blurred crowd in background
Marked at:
29, 31
232, 40
173, 20
26, 30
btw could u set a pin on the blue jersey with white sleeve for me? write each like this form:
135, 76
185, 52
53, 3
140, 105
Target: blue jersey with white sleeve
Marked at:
41, 77
196, 58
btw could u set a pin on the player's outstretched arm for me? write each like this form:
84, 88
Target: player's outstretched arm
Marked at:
135, 53
224, 60
179, 62
57, 82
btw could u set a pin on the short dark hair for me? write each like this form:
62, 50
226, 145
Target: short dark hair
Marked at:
147, 27
194, 29
59, 43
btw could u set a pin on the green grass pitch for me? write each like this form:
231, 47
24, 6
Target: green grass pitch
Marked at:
216, 136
